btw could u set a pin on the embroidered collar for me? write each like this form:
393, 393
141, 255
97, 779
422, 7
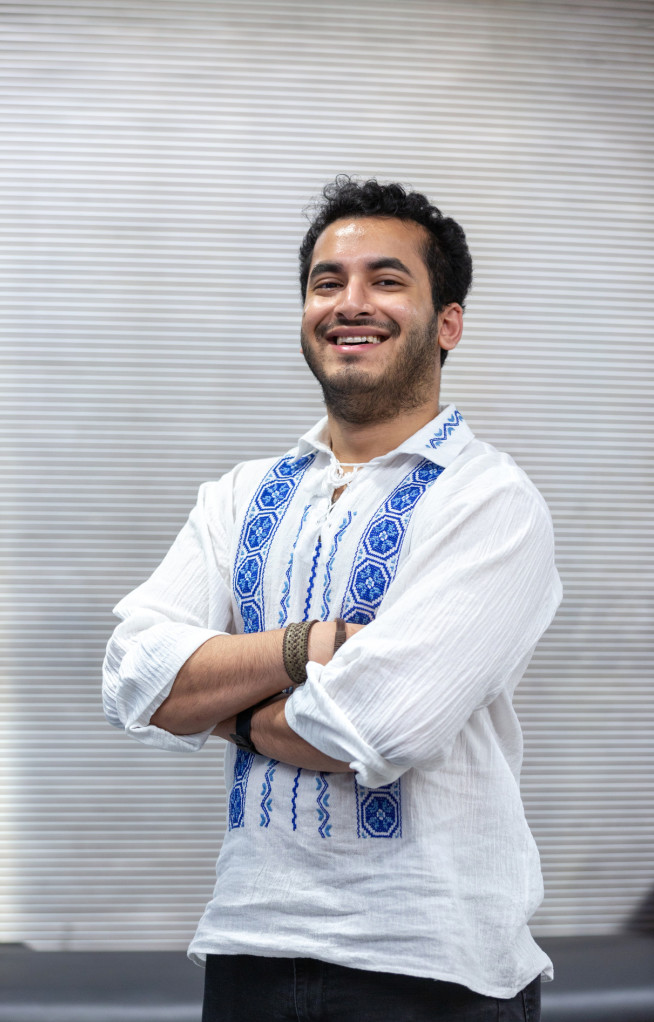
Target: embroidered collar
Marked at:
440, 440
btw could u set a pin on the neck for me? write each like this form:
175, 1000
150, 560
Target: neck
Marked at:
363, 442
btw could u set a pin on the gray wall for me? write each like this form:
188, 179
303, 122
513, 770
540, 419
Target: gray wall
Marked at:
157, 159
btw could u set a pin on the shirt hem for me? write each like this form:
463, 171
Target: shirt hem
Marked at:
198, 952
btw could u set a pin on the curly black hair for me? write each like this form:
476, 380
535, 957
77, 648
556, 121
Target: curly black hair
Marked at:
446, 252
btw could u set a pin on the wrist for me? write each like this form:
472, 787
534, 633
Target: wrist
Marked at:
321, 642
241, 735
263, 718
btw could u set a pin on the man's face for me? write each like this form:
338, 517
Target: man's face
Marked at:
369, 330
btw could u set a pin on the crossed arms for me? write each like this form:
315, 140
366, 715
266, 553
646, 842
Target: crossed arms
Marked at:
456, 628
229, 673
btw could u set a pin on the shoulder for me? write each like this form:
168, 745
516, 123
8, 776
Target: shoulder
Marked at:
226, 499
481, 476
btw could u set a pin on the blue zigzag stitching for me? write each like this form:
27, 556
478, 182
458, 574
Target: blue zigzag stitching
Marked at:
312, 578
294, 799
267, 508
378, 553
266, 792
242, 766
327, 583
286, 590
446, 430
379, 810
322, 799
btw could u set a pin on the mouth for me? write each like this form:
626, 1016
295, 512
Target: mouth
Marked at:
352, 338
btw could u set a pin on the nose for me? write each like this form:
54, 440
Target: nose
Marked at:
354, 300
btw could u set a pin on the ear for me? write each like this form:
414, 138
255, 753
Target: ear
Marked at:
450, 326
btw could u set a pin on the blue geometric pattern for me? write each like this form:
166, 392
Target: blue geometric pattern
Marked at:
242, 766
266, 792
446, 430
267, 508
377, 556
322, 798
327, 582
286, 589
379, 810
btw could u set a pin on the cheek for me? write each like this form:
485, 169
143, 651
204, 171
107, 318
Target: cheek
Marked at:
312, 314
401, 311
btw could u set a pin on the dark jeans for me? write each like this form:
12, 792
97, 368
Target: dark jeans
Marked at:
245, 988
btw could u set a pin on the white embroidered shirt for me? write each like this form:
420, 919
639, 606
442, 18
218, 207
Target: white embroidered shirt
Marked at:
420, 861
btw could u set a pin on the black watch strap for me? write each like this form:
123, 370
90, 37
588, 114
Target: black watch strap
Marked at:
241, 735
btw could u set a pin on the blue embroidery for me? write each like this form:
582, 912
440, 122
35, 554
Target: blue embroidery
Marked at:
312, 578
379, 810
322, 786
242, 766
377, 556
294, 799
283, 611
327, 582
266, 792
267, 508
446, 429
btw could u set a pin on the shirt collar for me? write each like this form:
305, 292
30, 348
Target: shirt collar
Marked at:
440, 440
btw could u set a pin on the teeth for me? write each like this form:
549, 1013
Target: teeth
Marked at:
359, 340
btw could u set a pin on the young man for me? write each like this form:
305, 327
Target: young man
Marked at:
378, 865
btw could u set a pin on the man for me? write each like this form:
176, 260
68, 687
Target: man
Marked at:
377, 865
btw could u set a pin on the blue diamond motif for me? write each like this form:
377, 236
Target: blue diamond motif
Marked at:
370, 582
251, 618
384, 537
404, 498
235, 804
380, 815
291, 468
427, 473
258, 531
247, 576
274, 495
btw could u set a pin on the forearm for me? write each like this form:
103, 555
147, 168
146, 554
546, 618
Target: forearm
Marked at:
224, 676
272, 737
229, 673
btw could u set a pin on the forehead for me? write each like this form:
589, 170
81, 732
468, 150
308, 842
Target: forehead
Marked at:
365, 239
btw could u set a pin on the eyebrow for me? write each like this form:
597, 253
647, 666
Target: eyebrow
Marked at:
383, 263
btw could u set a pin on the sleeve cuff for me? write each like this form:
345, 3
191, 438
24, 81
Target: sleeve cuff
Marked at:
157, 738
148, 672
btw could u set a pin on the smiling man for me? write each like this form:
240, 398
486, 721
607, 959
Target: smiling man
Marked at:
353, 618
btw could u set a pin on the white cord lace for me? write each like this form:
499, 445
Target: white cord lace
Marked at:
336, 477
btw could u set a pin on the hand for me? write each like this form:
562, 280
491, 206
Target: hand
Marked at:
322, 637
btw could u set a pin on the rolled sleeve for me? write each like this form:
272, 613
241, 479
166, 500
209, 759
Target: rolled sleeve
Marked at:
139, 672
456, 628
312, 714
184, 603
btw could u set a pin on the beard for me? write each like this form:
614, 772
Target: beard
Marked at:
360, 397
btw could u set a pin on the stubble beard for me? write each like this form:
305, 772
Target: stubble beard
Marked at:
358, 397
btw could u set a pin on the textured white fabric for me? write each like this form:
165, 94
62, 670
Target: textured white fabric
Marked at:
421, 862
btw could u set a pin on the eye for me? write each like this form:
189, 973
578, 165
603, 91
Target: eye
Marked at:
326, 285
387, 282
